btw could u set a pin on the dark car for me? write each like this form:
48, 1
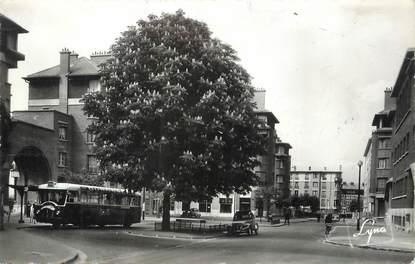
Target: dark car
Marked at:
192, 213
243, 222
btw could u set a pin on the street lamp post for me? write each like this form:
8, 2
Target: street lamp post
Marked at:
360, 163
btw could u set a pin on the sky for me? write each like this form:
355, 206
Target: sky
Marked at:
324, 64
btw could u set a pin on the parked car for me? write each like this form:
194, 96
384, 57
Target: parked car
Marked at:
243, 222
192, 213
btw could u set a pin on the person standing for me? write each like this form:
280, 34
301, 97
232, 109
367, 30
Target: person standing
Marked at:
287, 216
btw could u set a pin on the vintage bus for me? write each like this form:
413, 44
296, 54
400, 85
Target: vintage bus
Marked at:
83, 205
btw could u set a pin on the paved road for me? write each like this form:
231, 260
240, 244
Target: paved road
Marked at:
297, 243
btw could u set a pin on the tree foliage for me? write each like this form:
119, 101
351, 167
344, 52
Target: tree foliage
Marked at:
175, 113
82, 178
305, 200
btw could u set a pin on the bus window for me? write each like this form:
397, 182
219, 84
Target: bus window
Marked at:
60, 198
118, 199
107, 198
84, 196
53, 196
93, 198
72, 197
125, 200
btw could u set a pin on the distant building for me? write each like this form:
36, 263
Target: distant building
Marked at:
323, 184
349, 192
399, 192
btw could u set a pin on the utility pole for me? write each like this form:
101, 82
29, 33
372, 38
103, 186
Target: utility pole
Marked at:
360, 163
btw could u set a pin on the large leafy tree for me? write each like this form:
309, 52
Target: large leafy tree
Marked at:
175, 113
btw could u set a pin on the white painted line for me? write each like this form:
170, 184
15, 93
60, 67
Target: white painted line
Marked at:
348, 236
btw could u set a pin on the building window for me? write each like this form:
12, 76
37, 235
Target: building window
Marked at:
225, 205
172, 202
296, 185
155, 205
383, 163
185, 206
279, 164
324, 178
296, 177
306, 177
323, 203
90, 138
315, 184
403, 100
399, 187
305, 191
381, 185
62, 161
323, 185
280, 179
204, 206
383, 143
315, 176
296, 193
62, 133
314, 193
306, 186
92, 164
323, 194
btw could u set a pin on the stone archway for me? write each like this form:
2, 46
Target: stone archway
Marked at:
33, 169
32, 166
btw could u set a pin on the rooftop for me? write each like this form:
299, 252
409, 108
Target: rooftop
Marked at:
6, 24
79, 67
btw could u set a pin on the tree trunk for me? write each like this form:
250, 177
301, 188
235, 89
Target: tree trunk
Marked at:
165, 224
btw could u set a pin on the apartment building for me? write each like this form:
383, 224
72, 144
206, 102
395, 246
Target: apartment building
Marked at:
324, 184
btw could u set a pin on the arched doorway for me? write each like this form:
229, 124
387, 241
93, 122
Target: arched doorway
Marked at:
32, 165
31, 168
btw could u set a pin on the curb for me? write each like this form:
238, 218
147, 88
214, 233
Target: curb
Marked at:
370, 247
282, 224
171, 237
79, 257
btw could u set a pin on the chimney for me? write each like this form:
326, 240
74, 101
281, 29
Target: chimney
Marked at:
309, 168
64, 80
390, 102
259, 99
340, 167
64, 61
325, 168
73, 56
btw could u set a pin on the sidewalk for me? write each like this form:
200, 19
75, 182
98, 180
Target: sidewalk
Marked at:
17, 245
390, 240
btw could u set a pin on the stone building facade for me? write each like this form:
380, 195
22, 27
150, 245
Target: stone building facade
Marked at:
400, 187
9, 57
55, 103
